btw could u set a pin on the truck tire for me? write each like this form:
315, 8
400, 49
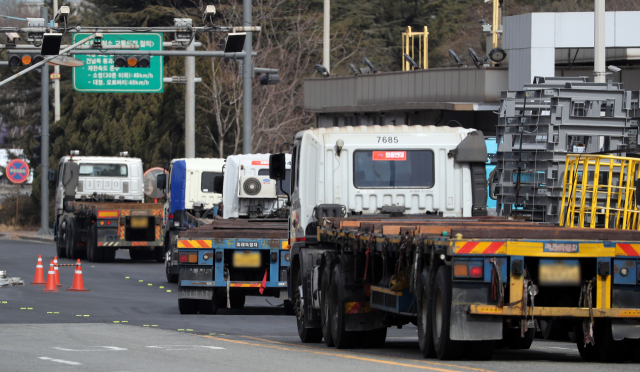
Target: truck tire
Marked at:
109, 254
512, 339
608, 349
209, 307
171, 278
71, 239
446, 349
325, 306
158, 254
288, 308
237, 299
61, 248
342, 339
95, 253
219, 296
187, 306
587, 352
374, 339
425, 322
307, 335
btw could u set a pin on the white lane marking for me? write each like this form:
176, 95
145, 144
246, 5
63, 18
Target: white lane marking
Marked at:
61, 361
185, 347
92, 348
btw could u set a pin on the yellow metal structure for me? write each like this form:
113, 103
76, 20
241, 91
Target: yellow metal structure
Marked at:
416, 45
599, 191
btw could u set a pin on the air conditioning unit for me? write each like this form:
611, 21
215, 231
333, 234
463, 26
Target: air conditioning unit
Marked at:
257, 187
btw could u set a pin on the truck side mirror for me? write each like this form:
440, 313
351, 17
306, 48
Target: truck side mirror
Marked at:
277, 167
161, 181
218, 183
52, 176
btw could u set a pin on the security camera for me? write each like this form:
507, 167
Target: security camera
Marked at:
355, 70
322, 70
455, 57
62, 14
613, 68
368, 63
413, 63
12, 37
209, 13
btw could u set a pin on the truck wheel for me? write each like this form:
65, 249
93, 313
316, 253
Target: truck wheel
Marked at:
480, 350
325, 313
288, 308
374, 339
61, 248
220, 296
187, 306
208, 306
587, 352
511, 338
425, 323
341, 338
608, 349
553, 330
236, 300
171, 278
71, 238
158, 254
95, 253
307, 335
109, 254
446, 349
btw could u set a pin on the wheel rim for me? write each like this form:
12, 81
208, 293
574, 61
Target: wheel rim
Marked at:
439, 313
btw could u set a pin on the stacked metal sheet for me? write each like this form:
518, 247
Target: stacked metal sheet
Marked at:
541, 124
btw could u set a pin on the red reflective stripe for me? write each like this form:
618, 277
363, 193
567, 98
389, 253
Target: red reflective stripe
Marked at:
301, 239
628, 249
186, 244
493, 247
202, 243
468, 247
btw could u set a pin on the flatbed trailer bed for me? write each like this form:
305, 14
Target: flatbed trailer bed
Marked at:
232, 258
392, 261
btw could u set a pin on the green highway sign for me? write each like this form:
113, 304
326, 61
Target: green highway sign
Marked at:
100, 75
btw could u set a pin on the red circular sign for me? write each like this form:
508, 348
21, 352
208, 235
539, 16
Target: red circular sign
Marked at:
17, 171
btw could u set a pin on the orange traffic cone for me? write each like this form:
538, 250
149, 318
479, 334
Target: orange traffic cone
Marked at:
38, 278
55, 268
51, 280
78, 284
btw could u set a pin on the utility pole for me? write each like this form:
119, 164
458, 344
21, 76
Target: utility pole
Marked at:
599, 42
44, 149
56, 82
326, 48
190, 105
247, 75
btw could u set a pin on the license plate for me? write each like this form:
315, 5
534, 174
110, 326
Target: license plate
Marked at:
139, 222
559, 272
246, 259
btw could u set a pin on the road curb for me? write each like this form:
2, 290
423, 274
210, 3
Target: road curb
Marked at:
36, 238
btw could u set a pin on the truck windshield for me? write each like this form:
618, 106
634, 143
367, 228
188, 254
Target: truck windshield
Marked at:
206, 181
103, 170
381, 169
286, 186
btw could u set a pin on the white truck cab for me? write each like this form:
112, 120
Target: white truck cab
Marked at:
103, 178
367, 170
248, 191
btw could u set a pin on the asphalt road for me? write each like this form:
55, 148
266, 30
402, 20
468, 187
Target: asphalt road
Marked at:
129, 321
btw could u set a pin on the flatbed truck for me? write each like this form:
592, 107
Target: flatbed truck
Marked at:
244, 254
389, 227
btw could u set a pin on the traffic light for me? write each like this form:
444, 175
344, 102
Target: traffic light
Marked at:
37, 148
132, 61
24, 59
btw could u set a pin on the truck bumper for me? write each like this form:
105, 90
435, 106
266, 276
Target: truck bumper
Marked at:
569, 312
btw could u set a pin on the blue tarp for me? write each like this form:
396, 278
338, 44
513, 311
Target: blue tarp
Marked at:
178, 184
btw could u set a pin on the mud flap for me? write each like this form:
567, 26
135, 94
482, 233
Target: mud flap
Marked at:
197, 274
471, 327
625, 328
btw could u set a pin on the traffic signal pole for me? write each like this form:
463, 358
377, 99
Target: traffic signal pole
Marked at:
247, 72
44, 149
56, 82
